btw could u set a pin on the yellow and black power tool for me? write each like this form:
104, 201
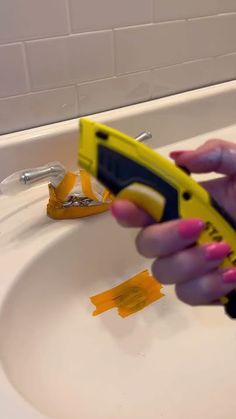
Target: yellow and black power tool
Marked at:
133, 171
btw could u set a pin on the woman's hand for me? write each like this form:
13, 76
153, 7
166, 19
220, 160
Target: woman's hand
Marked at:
193, 269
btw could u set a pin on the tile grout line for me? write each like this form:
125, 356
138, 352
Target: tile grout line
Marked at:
114, 58
68, 15
153, 11
77, 94
26, 67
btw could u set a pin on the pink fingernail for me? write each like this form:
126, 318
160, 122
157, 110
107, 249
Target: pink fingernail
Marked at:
189, 229
216, 251
175, 154
229, 276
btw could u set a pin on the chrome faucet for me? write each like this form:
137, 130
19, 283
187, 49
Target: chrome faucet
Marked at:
40, 173
56, 172
53, 171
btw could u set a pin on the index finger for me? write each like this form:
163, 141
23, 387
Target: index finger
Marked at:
213, 156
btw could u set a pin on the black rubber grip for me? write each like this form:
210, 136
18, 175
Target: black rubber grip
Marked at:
116, 172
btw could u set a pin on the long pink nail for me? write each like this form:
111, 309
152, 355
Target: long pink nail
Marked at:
229, 276
177, 153
216, 251
190, 229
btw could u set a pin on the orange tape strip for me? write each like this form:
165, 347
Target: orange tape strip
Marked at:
66, 186
86, 184
133, 295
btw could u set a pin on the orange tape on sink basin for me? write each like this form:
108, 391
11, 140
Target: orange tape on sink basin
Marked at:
133, 295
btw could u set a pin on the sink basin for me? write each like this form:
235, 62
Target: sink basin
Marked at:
69, 364
54, 352
59, 362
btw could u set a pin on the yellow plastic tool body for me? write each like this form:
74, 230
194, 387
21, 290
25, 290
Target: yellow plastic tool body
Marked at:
131, 170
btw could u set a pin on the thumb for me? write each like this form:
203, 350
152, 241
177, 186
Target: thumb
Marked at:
213, 156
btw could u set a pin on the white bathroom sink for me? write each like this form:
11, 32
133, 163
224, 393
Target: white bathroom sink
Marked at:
168, 361
69, 364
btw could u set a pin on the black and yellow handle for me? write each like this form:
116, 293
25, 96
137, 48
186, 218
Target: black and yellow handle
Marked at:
131, 170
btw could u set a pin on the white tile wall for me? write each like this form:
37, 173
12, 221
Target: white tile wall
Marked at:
63, 58
186, 76
182, 9
63, 61
165, 10
91, 15
225, 67
13, 79
19, 112
170, 43
28, 19
114, 92
134, 49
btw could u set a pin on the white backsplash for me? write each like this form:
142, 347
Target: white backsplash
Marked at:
63, 58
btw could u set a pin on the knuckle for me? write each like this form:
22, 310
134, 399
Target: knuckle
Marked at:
148, 243
212, 287
156, 271
183, 295
203, 290
141, 243
161, 271
214, 142
183, 265
209, 288
173, 269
